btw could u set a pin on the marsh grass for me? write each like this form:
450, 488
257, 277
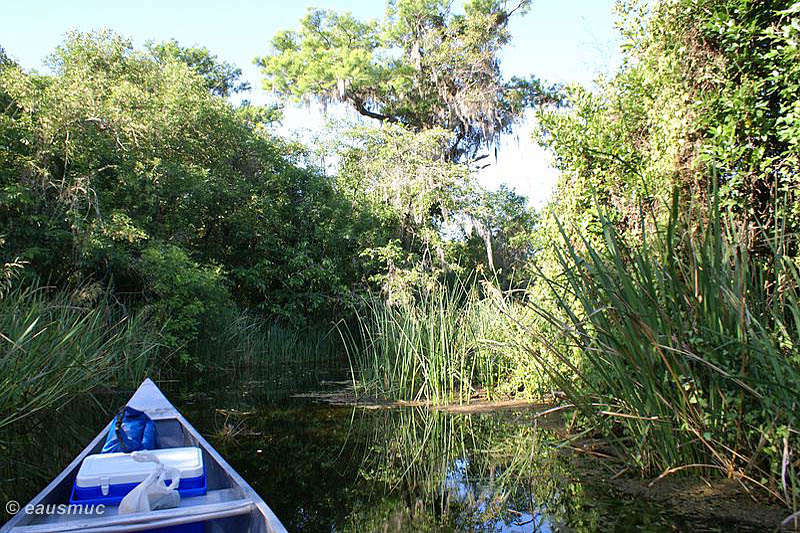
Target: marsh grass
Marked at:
442, 348
688, 343
247, 342
56, 347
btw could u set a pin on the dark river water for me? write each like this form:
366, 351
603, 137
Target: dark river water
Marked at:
343, 468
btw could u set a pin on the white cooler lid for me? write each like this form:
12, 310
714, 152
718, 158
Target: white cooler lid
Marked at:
118, 468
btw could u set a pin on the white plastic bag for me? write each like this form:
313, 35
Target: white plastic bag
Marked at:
152, 493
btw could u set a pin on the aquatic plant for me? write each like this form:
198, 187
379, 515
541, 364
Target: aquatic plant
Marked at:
59, 344
688, 340
248, 341
445, 346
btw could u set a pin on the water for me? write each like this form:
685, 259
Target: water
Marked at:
341, 468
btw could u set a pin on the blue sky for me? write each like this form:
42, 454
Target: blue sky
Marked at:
566, 41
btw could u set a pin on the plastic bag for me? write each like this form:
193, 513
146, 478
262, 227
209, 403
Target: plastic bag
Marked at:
153, 493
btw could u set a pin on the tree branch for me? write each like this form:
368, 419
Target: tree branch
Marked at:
362, 109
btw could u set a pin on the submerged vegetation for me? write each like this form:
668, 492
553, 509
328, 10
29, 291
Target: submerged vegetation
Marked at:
150, 225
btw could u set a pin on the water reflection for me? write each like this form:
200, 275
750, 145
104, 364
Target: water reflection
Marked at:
460, 472
333, 468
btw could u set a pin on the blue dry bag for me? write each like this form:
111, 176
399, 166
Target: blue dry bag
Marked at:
131, 430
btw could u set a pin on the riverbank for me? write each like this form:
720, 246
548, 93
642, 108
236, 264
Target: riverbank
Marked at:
343, 393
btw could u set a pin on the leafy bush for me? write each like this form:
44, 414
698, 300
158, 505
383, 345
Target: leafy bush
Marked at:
189, 299
121, 151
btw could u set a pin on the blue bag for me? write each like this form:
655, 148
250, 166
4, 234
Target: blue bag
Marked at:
131, 430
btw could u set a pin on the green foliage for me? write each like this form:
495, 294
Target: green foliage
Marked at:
746, 103
190, 300
679, 328
449, 345
259, 118
686, 347
404, 191
423, 67
506, 227
248, 343
419, 217
119, 152
406, 172
128, 168
58, 344
222, 78
706, 85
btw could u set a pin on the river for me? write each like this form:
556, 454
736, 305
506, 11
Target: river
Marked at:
327, 468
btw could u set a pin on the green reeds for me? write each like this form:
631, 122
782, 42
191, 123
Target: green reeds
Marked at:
687, 341
248, 341
442, 348
54, 348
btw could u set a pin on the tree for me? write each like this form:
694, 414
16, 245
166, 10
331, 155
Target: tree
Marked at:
423, 67
403, 191
506, 226
222, 78
127, 170
707, 98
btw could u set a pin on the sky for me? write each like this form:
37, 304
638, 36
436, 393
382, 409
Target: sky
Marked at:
560, 41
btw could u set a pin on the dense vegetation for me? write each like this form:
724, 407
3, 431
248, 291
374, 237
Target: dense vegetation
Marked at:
130, 183
675, 279
657, 294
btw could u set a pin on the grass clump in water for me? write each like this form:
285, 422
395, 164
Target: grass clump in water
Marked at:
444, 347
247, 341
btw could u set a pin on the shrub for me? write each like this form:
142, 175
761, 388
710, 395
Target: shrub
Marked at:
189, 299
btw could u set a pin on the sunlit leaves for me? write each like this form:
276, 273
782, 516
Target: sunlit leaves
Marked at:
120, 156
424, 66
222, 78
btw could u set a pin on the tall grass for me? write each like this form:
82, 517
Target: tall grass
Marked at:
688, 344
54, 347
247, 341
442, 348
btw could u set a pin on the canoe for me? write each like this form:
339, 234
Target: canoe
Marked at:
229, 505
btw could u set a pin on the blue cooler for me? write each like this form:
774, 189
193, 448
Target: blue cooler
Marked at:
106, 478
